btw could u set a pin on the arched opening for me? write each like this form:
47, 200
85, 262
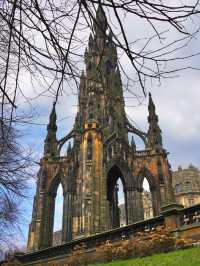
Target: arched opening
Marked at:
178, 188
147, 200
136, 142
66, 148
58, 216
89, 148
121, 203
116, 195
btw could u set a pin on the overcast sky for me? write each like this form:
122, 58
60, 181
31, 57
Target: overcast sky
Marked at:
177, 105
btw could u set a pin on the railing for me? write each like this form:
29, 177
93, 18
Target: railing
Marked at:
93, 241
190, 216
184, 219
142, 153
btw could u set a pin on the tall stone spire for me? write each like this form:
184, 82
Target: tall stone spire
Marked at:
99, 156
154, 132
100, 24
50, 147
100, 93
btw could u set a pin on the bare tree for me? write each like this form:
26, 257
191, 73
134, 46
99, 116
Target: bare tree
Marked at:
15, 172
44, 38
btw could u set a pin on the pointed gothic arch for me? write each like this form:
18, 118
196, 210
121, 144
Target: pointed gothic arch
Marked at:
53, 186
123, 167
58, 216
113, 175
154, 189
146, 173
49, 210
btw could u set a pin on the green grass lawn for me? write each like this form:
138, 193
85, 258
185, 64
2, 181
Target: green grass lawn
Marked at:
186, 257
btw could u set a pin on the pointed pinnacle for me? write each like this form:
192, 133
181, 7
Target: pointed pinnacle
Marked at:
151, 106
69, 147
53, 112
101, 20
82, 74
100, 12
90, 39
110, 35
150, 98
86, 51
52, 118
133, 143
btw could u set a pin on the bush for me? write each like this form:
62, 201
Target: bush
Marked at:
142, 244
78, 257
183, 243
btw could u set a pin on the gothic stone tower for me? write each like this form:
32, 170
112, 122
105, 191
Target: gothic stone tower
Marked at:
101, 154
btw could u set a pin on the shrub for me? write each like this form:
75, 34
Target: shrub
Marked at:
183, 243
78, 257
142, 244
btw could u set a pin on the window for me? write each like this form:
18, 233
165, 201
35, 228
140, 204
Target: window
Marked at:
178, 188
191, 201
188, 185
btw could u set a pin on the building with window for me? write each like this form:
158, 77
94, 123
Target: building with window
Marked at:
186, 183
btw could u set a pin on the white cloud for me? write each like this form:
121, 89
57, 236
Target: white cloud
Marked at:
177, 104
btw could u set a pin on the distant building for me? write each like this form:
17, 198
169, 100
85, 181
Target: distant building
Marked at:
122, 214
147, 205
57, 238
186, 183
147, 208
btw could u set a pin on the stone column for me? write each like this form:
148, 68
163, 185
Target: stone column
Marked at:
163, 194
67, 217
171, 215
36, 227
134, 205
156, 200
48, 221
130, 205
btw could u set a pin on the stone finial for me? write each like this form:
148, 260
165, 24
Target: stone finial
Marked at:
50, 147
69, 148
151, 108
90, 42
100, 24
86, 55
180, 168
154, 132
101, 16
191, 166
133, 145
52, 120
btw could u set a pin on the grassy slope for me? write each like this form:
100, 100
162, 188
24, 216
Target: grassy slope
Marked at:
186, 257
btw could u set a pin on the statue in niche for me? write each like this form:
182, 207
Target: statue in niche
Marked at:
89, 148
110, 124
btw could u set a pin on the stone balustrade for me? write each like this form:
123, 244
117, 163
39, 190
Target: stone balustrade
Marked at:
182, 222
